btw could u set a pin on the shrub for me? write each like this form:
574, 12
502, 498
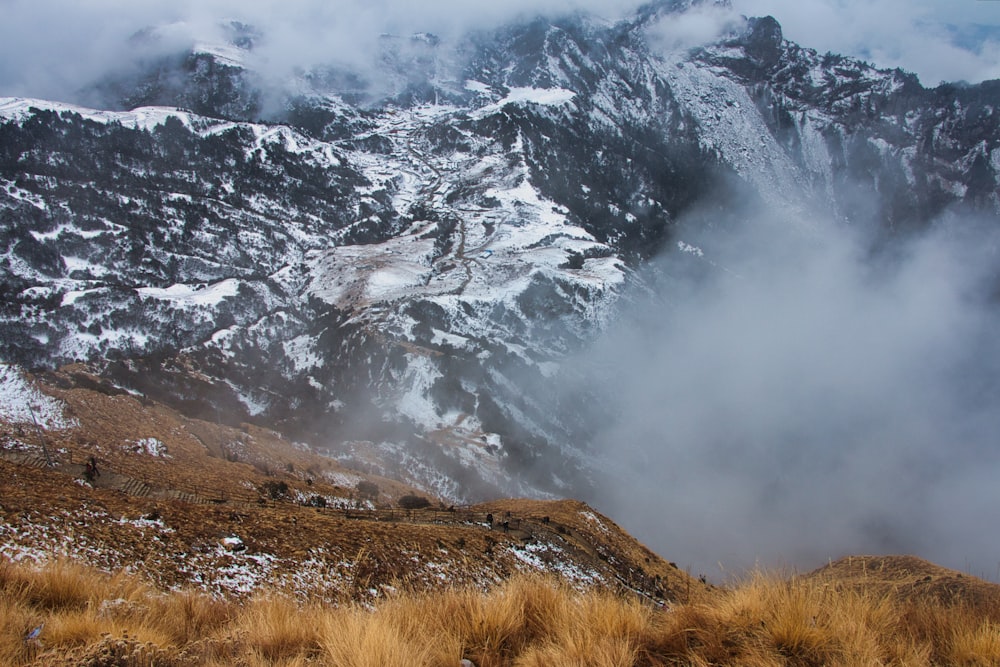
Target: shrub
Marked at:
411, 502
274, 490
368, 489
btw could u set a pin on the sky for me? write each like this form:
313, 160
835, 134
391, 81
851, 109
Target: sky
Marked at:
52, 48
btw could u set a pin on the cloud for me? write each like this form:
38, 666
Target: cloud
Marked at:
917, 36
790, 397
699, 25
52, 48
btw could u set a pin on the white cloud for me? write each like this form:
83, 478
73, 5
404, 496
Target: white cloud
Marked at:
809, 401
695, 27
50, 48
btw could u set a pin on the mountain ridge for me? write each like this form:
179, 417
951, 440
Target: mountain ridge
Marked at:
414, 271
238, 511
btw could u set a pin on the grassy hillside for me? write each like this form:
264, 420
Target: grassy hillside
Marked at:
89, 618
231, 511
206, 544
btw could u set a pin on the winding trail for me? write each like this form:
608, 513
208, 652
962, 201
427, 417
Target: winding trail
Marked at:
433, 196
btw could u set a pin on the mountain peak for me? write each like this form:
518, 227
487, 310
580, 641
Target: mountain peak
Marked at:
763, 39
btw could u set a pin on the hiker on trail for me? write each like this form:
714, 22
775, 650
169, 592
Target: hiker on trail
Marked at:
506, 526
489, 519
90, 471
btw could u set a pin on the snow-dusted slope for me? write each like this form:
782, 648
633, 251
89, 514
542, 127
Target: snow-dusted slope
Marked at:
397, 280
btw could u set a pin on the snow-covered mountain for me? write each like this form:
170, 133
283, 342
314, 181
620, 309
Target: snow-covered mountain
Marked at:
394, 270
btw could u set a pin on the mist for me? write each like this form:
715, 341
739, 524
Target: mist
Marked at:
781, 394
53, 50
698, 26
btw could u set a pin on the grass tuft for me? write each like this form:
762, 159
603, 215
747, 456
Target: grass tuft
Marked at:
765, 621
276, 627
975, 646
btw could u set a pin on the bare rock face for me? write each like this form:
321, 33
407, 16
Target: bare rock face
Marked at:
763, 40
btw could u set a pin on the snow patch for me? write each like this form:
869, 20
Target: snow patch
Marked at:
476, 86
22, 403
540, 96
190, 296
151, 447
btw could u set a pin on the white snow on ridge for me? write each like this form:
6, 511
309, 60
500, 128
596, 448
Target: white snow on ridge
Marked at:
189, 296
20, 402
226, 54
149, 118
146, 118
541, 96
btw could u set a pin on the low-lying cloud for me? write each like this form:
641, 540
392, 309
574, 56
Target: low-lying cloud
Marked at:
700, 25
790, 397
51, 49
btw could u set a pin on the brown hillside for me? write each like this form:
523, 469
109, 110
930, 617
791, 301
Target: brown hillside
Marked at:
224, 517
185, 502
914, 580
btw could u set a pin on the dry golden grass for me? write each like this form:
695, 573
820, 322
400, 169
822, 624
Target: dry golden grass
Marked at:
276, 627
766, 621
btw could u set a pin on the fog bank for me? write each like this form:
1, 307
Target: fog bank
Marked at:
785, 396
52, 49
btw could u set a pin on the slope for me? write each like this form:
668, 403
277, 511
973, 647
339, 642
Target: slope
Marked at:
189, 503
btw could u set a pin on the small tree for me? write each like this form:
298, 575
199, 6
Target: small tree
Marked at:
274, 490
367, 489
411, 502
